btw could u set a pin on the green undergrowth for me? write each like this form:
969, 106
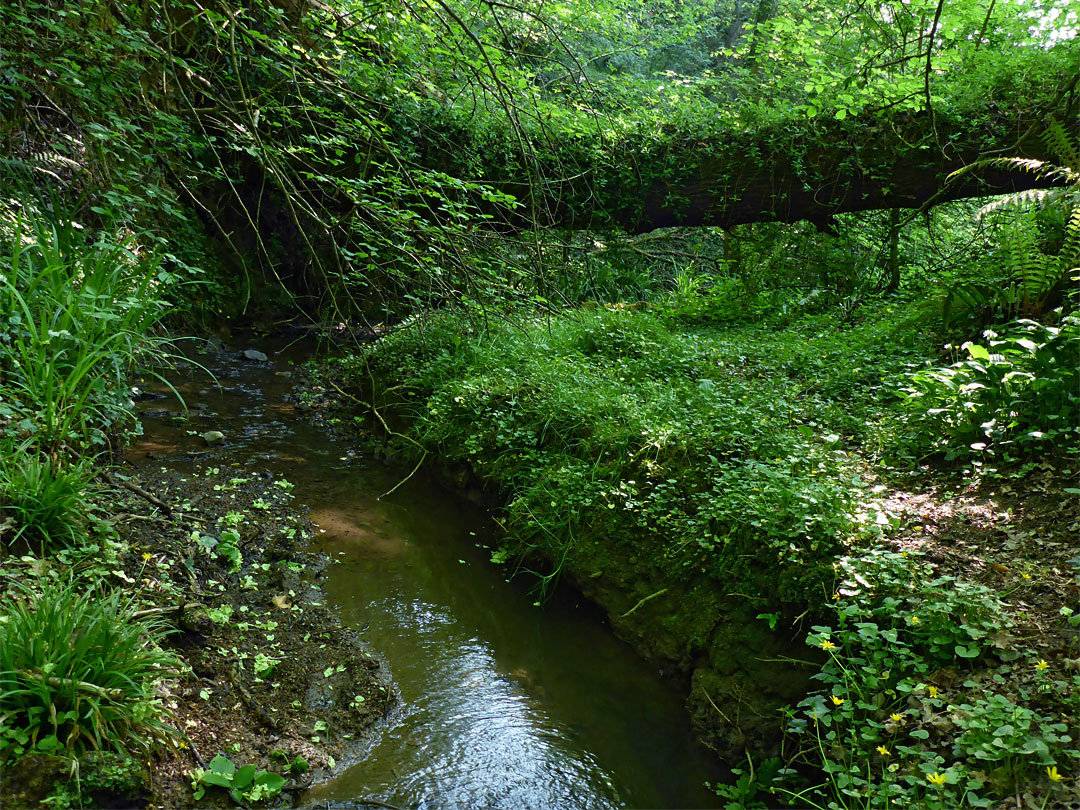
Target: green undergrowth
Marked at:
724, 452
1011, 393
80, 668
79, 313
928, 698
757, 456
78, 672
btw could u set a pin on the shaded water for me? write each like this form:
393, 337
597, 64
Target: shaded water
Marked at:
507, 704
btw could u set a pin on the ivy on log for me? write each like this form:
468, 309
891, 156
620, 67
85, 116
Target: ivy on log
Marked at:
811, 171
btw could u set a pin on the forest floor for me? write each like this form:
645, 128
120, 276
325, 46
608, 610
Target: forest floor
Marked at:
273, 678
1015, 531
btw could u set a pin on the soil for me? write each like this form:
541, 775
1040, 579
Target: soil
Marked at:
271, 673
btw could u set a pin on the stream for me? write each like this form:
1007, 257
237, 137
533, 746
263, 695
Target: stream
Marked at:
506, 703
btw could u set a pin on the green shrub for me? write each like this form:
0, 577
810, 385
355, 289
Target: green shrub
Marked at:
78, 672
1017, 393
42, 502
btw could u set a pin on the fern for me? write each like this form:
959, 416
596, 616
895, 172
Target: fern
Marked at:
1032, 277
1064, 145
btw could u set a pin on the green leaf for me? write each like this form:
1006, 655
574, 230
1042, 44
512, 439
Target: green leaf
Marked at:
273, 782
223, 765
219, 779
977, 352
244, 777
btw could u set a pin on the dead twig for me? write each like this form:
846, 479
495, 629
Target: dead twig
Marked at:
642, 601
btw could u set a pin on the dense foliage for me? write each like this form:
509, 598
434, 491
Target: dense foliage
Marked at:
375, 158
725, 448
721, 402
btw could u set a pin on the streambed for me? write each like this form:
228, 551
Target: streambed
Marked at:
505, 702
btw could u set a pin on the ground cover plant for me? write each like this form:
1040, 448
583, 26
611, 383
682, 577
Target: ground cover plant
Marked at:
78, 671
925, 699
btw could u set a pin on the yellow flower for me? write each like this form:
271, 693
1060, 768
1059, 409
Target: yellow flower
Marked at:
914, 620
837, 701
1042, 665
827, 645
936, 778
881, 749
932, 690
147, 556
896, 718
1052, 772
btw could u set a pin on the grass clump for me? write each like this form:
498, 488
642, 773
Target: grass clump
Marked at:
78, 672
80, 313
43, 503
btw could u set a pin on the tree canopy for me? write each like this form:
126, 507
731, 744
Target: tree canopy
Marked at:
382, 145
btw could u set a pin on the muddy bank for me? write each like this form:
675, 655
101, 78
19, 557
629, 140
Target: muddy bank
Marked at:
271, 677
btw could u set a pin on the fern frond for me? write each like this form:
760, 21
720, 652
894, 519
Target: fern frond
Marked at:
1021, 199
1040, 168
1034, 197
1038, 276
1070, 250
1065, 146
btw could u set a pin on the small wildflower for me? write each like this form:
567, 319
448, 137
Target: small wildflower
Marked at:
827, 645
932, 690
837, 701
147, 556
1042, 666
915, 620
896, 718
936, 778
1052, 772
881, 749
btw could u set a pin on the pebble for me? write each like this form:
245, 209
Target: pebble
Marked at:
213, 437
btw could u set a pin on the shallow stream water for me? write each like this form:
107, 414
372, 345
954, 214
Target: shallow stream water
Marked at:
507, 703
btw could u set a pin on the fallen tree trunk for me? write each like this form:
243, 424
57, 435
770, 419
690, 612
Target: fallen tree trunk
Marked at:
811, 170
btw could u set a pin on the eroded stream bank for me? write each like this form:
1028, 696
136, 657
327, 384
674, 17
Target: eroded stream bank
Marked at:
504, 703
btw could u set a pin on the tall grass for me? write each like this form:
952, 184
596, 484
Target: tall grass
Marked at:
79, 314
78, 672
42, 502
